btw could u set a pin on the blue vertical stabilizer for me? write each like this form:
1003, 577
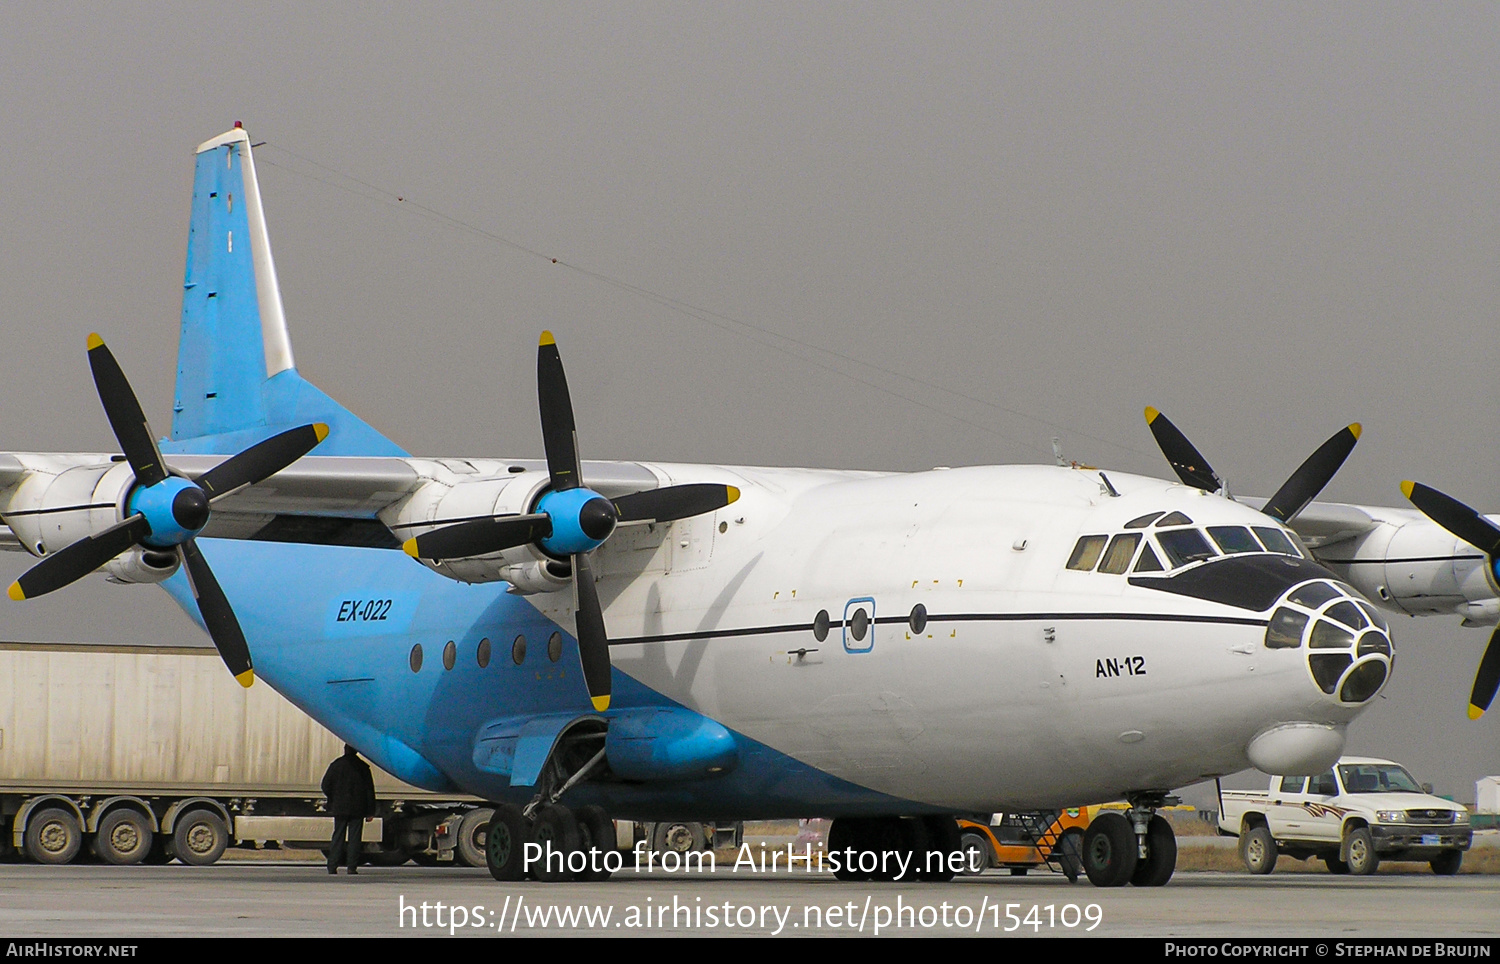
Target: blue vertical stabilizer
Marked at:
236, 380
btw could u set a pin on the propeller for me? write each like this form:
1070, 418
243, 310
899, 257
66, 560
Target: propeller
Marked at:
1295, 493
166, 512
570, 520
1484, 535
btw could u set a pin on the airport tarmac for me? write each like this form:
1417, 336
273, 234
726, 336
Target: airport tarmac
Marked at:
280, 899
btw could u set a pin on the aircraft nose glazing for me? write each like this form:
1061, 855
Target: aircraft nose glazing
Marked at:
1347, 641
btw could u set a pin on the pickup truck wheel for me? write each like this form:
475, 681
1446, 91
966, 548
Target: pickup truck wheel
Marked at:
1161, 854
53, 836
1258, 850
1447, 864
1363, 860
1109, 851
1335, 865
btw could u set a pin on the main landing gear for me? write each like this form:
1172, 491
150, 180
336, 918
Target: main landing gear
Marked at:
547, 841
1136, 847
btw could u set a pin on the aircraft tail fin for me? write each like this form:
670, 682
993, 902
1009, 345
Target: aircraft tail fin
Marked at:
237, 382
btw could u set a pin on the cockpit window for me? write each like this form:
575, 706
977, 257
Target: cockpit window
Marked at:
1149, 562
1183, 546
1086, 552
1314, 594
1348, 614
1276, 540
1121, 551
1141, 522
1285, 630
1174, 519
1234, 539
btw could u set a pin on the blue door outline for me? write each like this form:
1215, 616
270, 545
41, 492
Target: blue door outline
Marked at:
868, 643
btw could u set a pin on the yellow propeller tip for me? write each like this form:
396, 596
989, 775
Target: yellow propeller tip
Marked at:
410, 548
1355, 428
1475, 712
733, 493
16, 592
547, 339
246, 678
95, 341
320, 430
1407, 487
601, 703
1151, 414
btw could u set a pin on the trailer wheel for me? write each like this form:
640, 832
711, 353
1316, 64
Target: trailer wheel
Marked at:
124, 837
200, 838
469, 847
53, 836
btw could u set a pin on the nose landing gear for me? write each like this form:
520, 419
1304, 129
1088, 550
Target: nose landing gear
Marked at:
1137, 847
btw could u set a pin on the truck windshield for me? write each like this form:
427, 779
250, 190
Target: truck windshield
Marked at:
1376, 778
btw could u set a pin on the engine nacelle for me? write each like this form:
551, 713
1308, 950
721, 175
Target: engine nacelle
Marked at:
53, 508
1418, 568
140, 564
474, 491
540, 576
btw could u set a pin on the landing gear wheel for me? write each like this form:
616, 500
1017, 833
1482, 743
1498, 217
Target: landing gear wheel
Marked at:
53, 836
556, 831
977, 853
848, 837
596, 837
938, 864
1258, 850
1447, 864
1363, 860
1069, 854
897, 842
1109, 851
1161, 854
1335, 866
503, 843
200, 838
468, 848
124, 837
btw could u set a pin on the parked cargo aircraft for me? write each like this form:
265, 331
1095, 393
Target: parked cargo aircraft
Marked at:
576, 640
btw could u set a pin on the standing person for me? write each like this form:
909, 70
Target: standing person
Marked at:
350, 789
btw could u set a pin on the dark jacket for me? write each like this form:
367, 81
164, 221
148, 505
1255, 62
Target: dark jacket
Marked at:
349, 787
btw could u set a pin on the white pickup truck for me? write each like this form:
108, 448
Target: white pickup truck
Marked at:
1354, 815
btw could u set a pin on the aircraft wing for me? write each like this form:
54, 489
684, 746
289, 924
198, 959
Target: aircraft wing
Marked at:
323, 500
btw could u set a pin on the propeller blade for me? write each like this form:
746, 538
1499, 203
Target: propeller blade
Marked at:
79, 559
1304, 484
593, 641
1487, 680
1189, 464
261, 460
479, 537
674, 502
1454, 516
222, 625
559, 433
125, 415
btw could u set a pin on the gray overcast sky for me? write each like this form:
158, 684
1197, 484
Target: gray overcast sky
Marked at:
954, 231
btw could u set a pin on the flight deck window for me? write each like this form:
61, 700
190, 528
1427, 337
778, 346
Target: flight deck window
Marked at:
1141, 522
1183, 546
1275, 540
1087, 552
1175, 519
1149, 562
1234, 539
1121, 551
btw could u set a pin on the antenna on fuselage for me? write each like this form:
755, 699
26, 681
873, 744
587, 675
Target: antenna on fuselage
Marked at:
1057, 452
